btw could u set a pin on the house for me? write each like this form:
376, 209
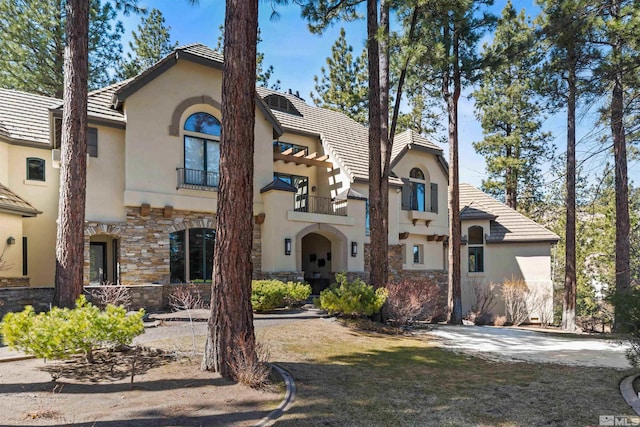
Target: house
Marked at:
152, 180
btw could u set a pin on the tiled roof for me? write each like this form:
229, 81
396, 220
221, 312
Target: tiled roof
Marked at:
202, 51
24, 117
99, 103
12, 203
410, 139
507, 225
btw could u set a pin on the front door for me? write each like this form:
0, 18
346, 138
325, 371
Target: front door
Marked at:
98, 262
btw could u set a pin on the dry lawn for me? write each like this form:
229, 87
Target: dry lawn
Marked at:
349, 377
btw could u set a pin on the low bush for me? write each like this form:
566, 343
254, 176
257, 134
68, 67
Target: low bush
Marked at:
484, 303
352, 299
515, 293
271, 294
627, 309
62, 332
409, 301
186, 297
108, 293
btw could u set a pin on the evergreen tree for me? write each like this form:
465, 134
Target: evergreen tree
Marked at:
343, 85
567, 28
33, 41
449, 32
150, 44
514, 145
263, 75
230, 346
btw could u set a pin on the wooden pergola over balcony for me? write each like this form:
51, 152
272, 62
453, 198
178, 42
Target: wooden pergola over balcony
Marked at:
301, 158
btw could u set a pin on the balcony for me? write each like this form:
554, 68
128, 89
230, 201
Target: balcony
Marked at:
319, 205
194, 179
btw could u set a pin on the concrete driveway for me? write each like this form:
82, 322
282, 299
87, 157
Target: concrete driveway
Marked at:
532, 346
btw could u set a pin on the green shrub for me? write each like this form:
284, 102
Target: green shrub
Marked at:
271, 294
353, 299
62, 332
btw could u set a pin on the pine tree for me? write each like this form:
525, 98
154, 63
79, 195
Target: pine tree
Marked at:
343, 85
506, 103
150, 44
449, 32
567, 27
230, 345
263, 75
33, 40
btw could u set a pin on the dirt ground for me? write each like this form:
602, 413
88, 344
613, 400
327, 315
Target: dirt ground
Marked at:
165, 391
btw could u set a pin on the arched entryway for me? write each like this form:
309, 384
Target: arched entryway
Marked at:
323, 252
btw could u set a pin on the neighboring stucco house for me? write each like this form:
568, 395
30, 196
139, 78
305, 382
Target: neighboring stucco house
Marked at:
152, 181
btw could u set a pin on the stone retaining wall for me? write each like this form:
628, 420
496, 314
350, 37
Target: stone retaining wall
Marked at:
15, 299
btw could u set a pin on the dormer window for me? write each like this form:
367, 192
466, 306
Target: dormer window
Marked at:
281, 103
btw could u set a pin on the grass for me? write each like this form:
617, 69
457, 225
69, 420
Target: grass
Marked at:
350, 377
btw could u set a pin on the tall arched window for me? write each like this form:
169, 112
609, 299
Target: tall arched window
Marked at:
191, 254
418, 184
202, 150
476, 249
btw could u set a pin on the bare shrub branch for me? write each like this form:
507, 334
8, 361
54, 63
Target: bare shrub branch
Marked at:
186, 297
108, 293
410, 301
515, 292
484, 303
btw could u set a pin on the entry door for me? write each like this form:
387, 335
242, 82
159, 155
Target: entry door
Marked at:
98, 262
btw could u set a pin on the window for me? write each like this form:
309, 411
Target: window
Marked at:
476, 249
92, 142
367, 219
191, 254
202, 154
418, 257
92, 137
413, 191
301, 183
35, 169
281, 147
281, 103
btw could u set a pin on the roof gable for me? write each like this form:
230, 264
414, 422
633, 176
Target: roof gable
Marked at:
507, 225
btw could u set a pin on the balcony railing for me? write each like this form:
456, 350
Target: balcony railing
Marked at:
319, 205
195, 179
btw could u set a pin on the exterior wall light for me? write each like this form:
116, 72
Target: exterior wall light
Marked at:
287, 246
354, 248
11, 241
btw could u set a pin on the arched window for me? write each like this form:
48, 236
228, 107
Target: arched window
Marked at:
476, 249
417, 185
202, 150
191, 254
35, 169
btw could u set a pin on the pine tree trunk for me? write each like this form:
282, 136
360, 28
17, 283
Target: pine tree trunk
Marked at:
623, 276
455, 287
73, 161
231, 340
378, 255
570, 284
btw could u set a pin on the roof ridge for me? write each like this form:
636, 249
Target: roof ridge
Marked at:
111, 86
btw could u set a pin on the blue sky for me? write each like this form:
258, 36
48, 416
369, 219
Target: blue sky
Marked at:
297, 56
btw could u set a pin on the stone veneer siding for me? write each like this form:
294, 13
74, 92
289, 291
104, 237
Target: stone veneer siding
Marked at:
15, 299
144, 243
14, 282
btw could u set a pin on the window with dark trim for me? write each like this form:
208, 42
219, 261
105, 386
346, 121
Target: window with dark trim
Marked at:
25, 269
92, 142
413, 191
191, 254
35, 169
301, 183
281, 147
202, 153
476, 249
